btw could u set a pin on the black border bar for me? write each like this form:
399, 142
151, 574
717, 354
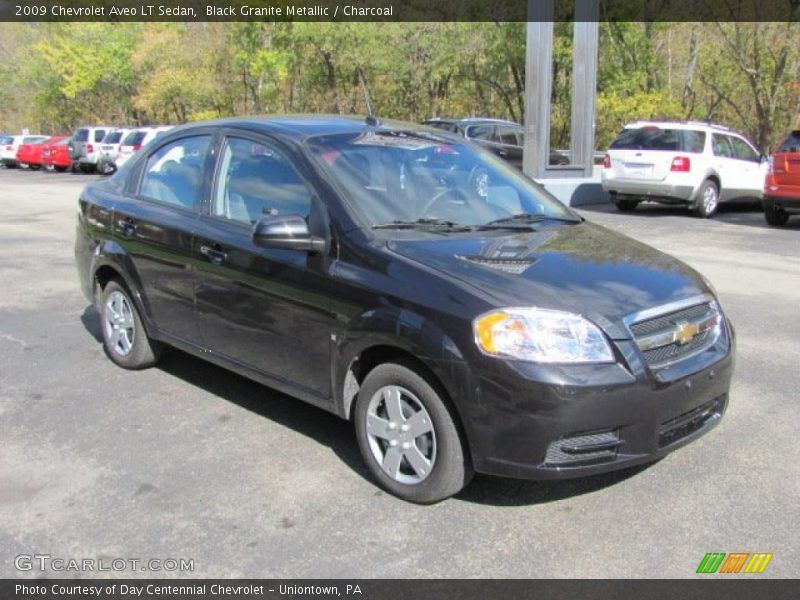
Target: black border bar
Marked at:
32, 11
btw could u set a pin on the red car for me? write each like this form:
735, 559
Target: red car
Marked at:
30, 155
55, 154
782, 185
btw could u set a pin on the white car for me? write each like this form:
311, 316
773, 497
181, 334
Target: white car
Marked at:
84, 146
10, 144
694, 164
109, 150
136, 139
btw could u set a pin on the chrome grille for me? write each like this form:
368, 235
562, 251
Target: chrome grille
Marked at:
676, 332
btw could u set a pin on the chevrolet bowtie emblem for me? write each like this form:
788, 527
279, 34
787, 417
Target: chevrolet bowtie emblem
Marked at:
686, 332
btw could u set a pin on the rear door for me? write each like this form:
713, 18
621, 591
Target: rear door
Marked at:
786, 161
725, 164
155, 224
750, 171
644, 153
267, 309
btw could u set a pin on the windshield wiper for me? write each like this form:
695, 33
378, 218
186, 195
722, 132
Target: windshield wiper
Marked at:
523, 221
434, 224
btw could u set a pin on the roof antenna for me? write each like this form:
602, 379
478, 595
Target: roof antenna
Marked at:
372, 120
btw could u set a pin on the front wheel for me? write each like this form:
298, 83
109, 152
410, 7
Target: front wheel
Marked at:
124, 337
707, 200
408, 436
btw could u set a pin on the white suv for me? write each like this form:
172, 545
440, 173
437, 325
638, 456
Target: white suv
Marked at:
137, 138
689, 163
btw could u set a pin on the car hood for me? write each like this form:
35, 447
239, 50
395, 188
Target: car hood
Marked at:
583, 268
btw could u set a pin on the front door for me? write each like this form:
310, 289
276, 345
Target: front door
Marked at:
266, 309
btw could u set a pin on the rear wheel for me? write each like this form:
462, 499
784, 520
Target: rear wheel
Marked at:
124, 337
707, 200
775, 215
408, 436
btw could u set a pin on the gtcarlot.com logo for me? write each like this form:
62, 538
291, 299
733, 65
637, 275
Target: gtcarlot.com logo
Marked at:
46, 562
736, 562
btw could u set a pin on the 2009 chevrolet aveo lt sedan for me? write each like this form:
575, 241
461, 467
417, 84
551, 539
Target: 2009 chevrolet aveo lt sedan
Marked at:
404, 279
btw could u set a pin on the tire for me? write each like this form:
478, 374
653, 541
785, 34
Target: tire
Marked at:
442, 463
707, 200
124, 337
626, 204
775, 215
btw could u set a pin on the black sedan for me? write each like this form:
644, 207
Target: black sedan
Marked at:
460, 316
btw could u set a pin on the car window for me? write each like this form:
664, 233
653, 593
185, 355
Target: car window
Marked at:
33, 140
134, 138
389, 176
481, 132
649, 137
791, 143
693, 141
174, 173
99, 134
508, 135
721, 146
256, 181
743, 151
113, 138
81, 135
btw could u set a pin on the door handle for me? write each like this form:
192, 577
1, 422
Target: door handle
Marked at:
128, 226
214, 254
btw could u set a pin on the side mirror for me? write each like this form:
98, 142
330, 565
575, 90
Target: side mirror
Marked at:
288, 232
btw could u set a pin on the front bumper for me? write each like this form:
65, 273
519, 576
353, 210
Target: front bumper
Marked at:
558, 422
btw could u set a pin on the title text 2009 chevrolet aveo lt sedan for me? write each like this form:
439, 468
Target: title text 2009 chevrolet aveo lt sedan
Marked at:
404, 279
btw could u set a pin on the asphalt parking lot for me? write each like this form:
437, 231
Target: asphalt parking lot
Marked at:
189, 461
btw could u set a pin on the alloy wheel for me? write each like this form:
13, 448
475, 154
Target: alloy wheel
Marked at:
119, 323
401, 435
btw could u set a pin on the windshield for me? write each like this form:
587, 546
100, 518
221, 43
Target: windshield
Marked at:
407, 177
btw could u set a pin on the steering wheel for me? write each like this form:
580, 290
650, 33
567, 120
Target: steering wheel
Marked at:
479, 181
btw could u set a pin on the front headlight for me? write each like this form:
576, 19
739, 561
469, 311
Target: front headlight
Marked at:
540, 335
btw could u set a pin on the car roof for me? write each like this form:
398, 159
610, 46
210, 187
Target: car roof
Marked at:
471, 121
681, 125
306, 126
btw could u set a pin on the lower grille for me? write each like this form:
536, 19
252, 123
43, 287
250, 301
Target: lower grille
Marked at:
583, 449
688, 423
